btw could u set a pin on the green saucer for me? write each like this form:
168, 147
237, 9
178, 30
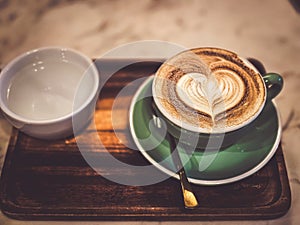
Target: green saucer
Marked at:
249, 154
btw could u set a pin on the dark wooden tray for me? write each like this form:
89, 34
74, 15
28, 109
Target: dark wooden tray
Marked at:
44, 180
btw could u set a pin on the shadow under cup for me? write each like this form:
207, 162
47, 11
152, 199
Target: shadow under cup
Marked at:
217, 141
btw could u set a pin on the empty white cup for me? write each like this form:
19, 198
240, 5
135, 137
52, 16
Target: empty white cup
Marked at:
42, 91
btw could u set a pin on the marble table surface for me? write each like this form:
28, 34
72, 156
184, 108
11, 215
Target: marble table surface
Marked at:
268, 30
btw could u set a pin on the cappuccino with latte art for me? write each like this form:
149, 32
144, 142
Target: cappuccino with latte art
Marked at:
209, 90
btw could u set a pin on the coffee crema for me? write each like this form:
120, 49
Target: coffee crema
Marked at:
208, 90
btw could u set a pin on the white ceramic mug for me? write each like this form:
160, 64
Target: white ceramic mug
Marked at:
43, 90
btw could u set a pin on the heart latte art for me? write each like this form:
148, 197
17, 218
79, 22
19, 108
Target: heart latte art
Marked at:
208, 89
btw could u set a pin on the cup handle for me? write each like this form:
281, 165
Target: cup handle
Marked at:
258, 65
274, 84
273, 81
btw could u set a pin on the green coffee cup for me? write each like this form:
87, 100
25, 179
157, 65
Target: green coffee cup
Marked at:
270, 86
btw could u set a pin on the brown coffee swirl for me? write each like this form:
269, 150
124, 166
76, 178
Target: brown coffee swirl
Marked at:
208, 89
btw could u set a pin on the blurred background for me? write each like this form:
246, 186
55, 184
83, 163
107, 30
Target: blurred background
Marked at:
265, 29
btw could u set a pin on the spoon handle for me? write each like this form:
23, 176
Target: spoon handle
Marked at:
190, 200
189, 197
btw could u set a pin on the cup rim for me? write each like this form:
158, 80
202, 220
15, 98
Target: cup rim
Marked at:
194, 129
17, 59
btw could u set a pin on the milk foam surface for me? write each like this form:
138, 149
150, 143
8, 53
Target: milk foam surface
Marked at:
44, 90
208, 89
